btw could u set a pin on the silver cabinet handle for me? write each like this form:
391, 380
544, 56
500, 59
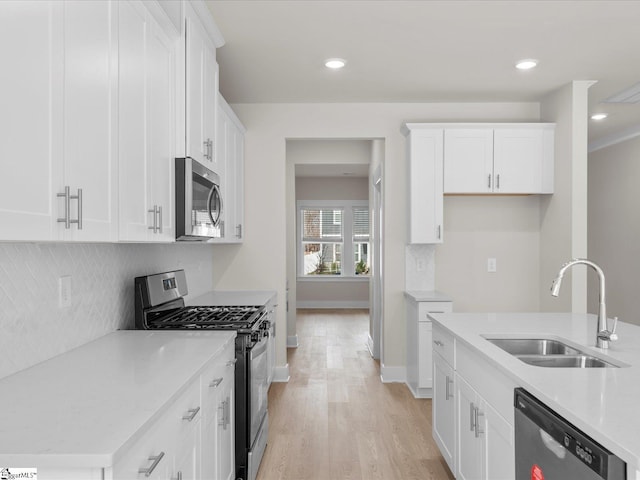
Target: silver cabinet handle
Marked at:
232, 362
498, 182
192, 412
439, 232
67, 205
159, 219
156, 460
215, 383
489, 181
472, 416
79, 220
447, 394
479, 430
155, 219
208, 149
177, 477
67, 208
239, 231
227, 414
438, 343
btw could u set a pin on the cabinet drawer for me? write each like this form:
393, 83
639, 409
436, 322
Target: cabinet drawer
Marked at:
155, 449
443, 343
424, 308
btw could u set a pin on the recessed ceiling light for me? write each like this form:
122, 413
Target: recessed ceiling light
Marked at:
598, 116
526, 64
335, 63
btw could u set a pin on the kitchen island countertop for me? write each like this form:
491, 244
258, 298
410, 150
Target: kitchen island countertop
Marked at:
602, 402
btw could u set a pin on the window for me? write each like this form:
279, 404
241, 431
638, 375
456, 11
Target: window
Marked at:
329, 232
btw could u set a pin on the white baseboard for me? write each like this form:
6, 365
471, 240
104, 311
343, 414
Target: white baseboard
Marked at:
281, 374
332, 304
393, 374
420, 392
292, 341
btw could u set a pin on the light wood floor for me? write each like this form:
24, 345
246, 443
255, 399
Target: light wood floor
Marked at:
335, 420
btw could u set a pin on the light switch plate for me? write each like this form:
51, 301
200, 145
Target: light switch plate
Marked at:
492, 266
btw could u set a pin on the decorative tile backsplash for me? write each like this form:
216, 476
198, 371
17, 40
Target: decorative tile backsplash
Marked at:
420, 267
32, 326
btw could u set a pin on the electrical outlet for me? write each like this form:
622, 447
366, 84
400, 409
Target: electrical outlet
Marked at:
492, 266
420, 265
64, 291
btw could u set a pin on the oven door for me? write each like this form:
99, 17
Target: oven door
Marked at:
198, 201
259, 372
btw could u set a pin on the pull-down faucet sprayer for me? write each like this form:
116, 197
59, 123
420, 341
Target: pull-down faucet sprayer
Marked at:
603, 334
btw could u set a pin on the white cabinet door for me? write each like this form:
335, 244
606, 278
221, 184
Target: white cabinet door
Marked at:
90, 119
444, 409
468, 160
230, 157
31, 124
498, 460
425, 154
518, 158
225, 441
469, 442
202, 94
147, 125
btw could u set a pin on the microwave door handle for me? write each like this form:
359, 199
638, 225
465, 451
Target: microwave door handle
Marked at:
215, 189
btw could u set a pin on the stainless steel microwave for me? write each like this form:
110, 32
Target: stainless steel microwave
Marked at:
198, 201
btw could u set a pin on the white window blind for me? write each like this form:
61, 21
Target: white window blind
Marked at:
360, 224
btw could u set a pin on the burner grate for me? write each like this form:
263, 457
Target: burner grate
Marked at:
213, 318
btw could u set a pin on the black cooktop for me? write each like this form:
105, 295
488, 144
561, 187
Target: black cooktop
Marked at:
237, 318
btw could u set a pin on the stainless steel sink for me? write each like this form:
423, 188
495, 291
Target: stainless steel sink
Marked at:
565, 361
533, 346
548, 352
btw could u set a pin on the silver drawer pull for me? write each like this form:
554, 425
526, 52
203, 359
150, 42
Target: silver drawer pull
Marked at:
448, 394
177, 477
438, 343
215, 383
156, 460
479, 430
232, 362
192, 414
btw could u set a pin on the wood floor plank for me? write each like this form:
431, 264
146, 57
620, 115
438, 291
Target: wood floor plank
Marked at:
335, 419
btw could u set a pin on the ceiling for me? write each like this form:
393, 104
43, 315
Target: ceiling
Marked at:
430, 51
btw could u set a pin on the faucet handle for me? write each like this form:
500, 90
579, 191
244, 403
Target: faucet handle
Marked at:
612, 334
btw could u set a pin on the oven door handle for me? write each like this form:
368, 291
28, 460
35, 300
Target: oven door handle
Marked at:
258, 349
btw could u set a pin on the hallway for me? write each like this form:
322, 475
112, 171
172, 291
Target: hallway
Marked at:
335, 420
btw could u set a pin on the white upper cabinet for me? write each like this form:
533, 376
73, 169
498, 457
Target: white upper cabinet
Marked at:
230, 154
202, 94
31, 123
147, 123
468, 160
425, 160
90, 122
499, 159
59, 178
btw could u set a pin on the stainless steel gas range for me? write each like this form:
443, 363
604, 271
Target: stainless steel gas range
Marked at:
159, 304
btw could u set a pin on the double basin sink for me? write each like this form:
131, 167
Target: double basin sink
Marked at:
546, 352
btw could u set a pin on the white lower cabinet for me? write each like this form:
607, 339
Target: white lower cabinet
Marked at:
485, 438
420, 345
472, 412
444, 411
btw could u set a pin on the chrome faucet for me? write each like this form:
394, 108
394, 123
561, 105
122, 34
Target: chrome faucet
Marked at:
603, 334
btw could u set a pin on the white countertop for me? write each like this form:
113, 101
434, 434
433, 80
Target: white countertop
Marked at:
85, 408
232, 297
427, 296
602, 402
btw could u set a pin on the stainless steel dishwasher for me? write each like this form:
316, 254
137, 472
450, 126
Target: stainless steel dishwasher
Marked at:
549, 448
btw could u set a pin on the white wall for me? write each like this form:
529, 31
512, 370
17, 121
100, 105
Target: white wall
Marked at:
614, 228
476, 228
262, 260
563, 215
34, 329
